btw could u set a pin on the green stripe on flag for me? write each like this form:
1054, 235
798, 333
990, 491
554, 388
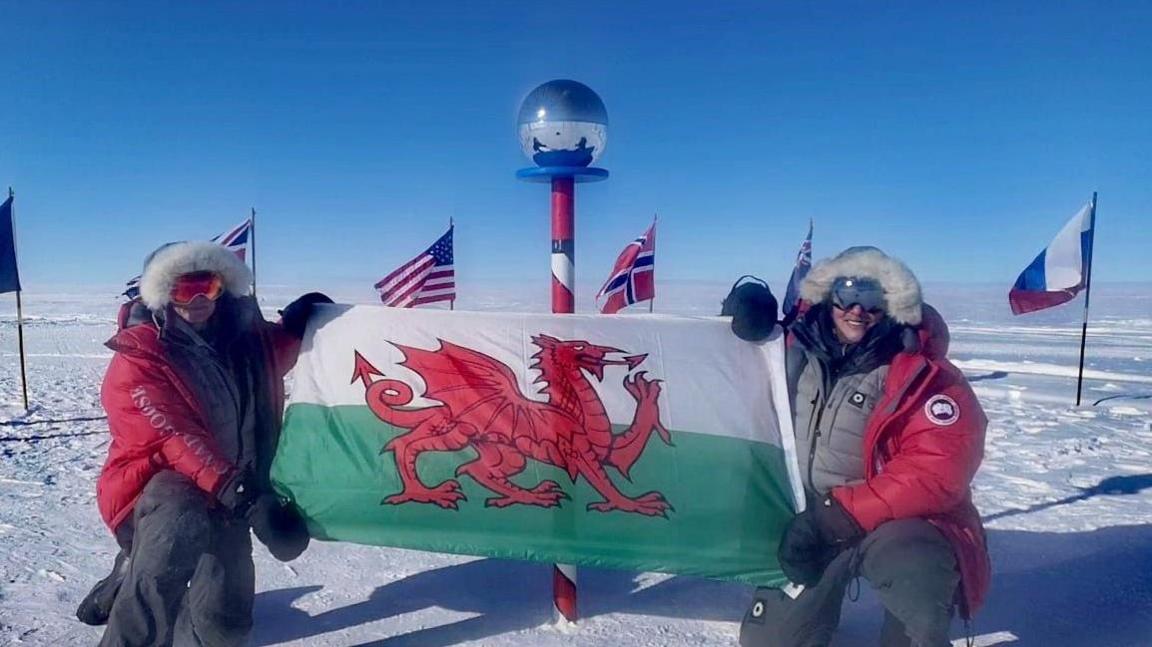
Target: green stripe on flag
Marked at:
730, 497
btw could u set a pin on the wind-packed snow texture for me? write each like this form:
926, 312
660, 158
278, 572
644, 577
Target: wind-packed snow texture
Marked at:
1066, 492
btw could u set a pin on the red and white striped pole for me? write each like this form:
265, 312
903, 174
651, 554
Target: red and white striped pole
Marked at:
563, 129
564, 302
563, 245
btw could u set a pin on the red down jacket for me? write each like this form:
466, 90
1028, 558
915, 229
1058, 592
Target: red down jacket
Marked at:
156, 422
922, 447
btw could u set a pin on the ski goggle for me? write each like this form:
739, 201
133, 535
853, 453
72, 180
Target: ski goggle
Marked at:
187, 287
849, 291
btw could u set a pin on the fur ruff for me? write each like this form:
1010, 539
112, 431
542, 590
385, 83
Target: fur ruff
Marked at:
901, 289
193, 256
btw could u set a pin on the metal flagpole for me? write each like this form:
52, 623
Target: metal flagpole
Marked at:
1087, 294
19, 310
252, 233
651, 301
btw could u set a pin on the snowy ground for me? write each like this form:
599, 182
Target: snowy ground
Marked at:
1066, 492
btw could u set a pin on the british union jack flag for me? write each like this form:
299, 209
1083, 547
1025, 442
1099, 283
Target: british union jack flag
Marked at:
235, 239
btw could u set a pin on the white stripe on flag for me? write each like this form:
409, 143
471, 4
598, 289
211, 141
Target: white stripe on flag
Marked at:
1063, 260
412, 274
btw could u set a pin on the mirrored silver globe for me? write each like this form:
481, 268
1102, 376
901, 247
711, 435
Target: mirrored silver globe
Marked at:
563, 123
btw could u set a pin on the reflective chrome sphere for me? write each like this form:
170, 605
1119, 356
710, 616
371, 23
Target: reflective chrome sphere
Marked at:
563, 123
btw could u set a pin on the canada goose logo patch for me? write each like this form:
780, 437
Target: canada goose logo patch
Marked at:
942, 410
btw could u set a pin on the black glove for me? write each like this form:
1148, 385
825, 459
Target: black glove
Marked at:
238, 492
752, 307
814, 538
294, 316
279, 527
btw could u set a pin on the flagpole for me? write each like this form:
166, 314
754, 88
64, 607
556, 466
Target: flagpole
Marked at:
651, 301
19, 309
253, 234
1087, 295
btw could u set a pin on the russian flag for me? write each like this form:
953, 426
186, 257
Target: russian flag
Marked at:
1059, 272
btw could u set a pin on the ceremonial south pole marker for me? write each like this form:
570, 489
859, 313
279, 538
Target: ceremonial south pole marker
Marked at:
563, 128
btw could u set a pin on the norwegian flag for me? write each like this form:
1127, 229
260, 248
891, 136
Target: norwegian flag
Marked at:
803, 264
632, 277
236, 238
428, 278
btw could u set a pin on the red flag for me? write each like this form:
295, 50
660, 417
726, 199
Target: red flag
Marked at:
632, 277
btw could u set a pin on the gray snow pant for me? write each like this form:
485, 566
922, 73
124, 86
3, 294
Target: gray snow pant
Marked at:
190, 577
910, 565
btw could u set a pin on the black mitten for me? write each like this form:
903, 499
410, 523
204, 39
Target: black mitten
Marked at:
237, 492
279, 527
814, 538
294, 317
752, 307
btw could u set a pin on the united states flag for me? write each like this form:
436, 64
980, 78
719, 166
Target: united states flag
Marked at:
427, 278
632, 278
235, 239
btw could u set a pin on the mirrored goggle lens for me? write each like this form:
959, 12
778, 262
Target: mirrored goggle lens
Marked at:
189, 286
848, 292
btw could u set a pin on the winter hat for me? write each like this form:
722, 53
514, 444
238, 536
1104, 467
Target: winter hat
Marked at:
901, 289
173, 259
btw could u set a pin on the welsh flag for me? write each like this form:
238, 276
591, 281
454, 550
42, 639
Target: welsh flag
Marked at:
651, 443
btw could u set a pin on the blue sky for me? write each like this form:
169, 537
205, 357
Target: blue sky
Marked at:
959, 137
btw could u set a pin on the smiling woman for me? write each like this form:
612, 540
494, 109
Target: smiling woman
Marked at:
889, 437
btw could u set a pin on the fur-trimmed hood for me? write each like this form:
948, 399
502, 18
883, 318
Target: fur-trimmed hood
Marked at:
901, 289
174, 259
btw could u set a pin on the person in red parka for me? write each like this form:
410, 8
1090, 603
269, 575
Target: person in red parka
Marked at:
889, 436
195, 396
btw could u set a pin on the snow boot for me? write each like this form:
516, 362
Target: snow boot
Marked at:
96, 606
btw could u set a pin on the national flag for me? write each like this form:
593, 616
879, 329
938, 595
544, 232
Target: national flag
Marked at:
236, 238
9, 271
493, 434
632, 279
132, 288
428, 278
1060, 271
799, 271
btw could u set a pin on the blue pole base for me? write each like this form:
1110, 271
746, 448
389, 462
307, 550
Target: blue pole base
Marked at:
579, 174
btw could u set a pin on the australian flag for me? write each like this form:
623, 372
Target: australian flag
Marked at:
632, 278
803, 264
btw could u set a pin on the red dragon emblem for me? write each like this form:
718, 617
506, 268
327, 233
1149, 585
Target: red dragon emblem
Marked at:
483, 408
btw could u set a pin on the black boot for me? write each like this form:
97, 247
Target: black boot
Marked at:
95, 606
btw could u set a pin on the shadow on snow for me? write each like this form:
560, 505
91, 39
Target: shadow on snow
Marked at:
1076, 588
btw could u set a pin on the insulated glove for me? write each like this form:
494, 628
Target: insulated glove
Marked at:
237, 493
752, 307
814, 538
279, 527
294, 316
